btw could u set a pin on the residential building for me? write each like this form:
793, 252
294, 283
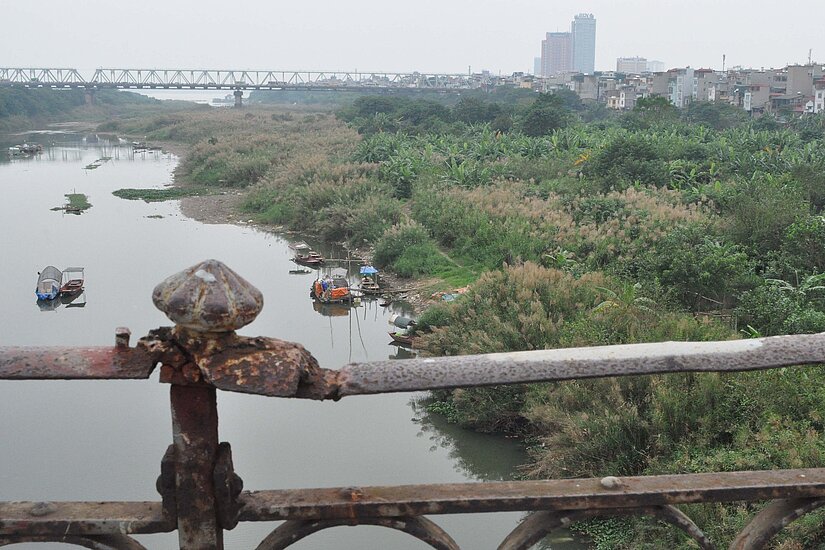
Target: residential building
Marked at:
631, 65
819, 96
681, 86
659, 84
583, 30
705, 82
537, 66
800, 79
627, 97
556, 53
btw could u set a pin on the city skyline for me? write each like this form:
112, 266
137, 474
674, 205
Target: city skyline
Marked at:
368, 35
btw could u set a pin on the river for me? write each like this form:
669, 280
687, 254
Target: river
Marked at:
103, 440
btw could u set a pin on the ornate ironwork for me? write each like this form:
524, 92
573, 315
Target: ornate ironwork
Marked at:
202, 496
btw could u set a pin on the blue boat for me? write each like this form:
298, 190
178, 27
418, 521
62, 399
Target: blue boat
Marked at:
48, 283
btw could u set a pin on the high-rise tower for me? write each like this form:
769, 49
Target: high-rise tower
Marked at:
556, 53
583, 30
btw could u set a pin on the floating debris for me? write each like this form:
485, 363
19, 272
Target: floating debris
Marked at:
77, 203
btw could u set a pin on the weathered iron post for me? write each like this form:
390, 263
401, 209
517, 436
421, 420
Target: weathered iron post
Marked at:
207, 302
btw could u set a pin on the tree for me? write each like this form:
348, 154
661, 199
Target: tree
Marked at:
470, 110
546, 114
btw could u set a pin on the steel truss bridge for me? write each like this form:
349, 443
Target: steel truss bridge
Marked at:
208, 79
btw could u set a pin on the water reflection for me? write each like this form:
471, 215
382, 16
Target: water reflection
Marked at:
402, 353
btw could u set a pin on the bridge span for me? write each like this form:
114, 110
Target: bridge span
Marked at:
240, 80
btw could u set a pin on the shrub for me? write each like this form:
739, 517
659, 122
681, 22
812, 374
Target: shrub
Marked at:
408, 250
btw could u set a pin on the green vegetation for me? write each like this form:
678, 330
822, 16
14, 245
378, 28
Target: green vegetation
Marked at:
78, 201
576, 227
26, 107
159, 195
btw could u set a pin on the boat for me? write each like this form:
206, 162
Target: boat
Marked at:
25, 150
48, 283
304, 255
402, 338
72, 281
331, 290
369, 284
299, 271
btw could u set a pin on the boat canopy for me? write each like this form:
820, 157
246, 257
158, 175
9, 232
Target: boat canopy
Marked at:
73, 273
368, 270
50, 273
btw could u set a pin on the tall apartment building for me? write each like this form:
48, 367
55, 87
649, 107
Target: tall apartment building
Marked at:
556, 53
574, 51
583, 30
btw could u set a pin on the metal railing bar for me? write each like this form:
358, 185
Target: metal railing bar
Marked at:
82, 518
56, 363
563, 494
576, 363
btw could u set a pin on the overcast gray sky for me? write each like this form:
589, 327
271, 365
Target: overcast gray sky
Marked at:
402, 35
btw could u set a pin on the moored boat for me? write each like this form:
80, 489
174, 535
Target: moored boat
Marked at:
331, 290
48, 283
72, 281
401, 337
25, 150
369, 284
304, 255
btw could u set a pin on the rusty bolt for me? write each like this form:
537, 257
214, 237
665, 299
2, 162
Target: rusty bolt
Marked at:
208, 297
122, 335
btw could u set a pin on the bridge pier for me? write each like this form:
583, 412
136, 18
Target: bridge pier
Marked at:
89, 95
238, 95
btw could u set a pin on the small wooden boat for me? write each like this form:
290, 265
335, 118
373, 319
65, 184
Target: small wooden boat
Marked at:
72, 281
304, 255
299, 271
369, 284
48, 283
402, 339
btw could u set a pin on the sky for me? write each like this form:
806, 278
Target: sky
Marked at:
501, 36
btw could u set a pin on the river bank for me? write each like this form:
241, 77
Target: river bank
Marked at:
94, 448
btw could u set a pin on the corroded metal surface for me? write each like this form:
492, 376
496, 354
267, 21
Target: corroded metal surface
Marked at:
771, 520
676, 517
423, 529
44, 363
228, 486
265, 366
208, 297
195, 438
563, 494
81, 518
102, 542
538, 525
592, 362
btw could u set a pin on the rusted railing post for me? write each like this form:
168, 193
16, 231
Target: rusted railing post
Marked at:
207, 302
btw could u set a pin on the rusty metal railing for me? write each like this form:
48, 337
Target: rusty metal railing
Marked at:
201, 496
